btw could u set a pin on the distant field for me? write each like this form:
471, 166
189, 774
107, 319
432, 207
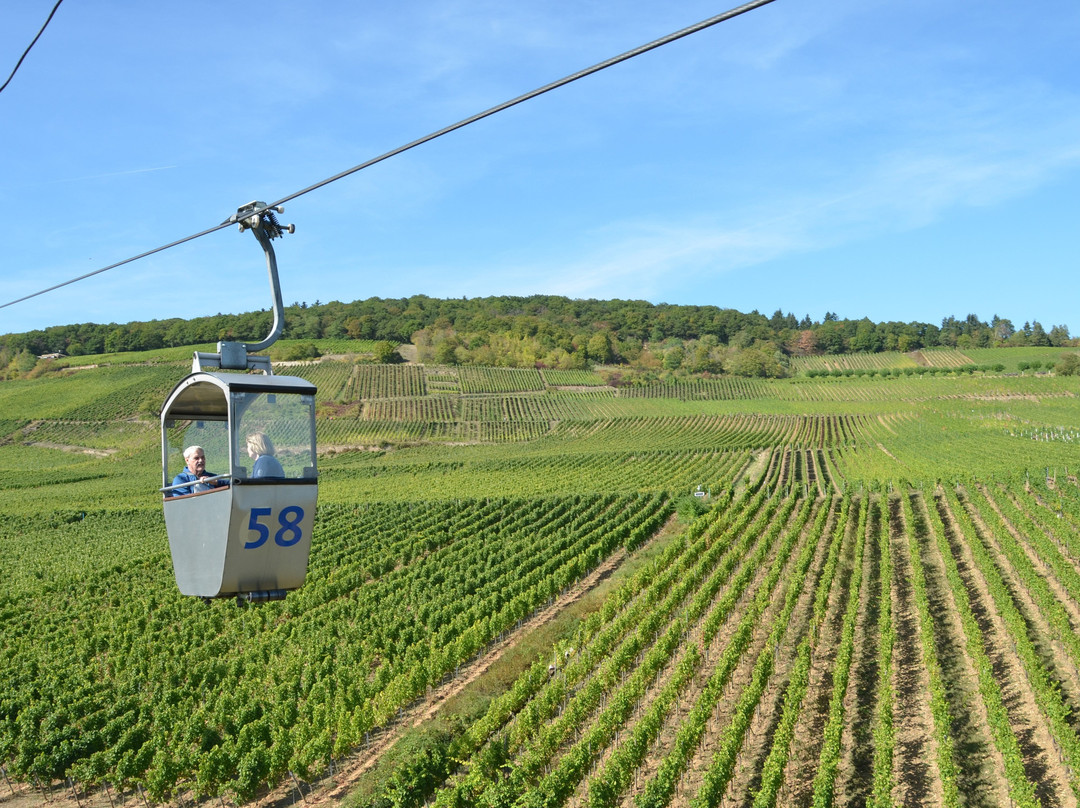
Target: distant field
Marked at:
1012, 357
529, 588
865, 361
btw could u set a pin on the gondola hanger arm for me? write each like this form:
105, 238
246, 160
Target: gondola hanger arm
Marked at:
261, 220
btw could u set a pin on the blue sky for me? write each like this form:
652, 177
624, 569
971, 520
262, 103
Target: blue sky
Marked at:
900, 161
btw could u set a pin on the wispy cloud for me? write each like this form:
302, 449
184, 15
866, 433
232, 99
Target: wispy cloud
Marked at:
979, 161
112, 174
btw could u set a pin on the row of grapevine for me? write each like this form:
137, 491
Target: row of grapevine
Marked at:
499, 380
712, 546
149, 687
720, 637
384, 381
883, 359
571, 378
1021, 790
726, 389
523, 418
103, 435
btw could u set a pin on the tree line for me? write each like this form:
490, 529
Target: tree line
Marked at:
550, 331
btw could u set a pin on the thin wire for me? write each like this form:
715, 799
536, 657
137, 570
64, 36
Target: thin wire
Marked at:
120, 263
693, 29
28, 47
630, 54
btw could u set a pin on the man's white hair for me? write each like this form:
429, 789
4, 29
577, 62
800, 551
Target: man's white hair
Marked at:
189, 451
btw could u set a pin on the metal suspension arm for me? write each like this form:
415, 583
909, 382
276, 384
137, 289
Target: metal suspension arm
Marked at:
261, 221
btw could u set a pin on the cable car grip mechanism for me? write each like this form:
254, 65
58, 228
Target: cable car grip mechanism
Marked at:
261, 220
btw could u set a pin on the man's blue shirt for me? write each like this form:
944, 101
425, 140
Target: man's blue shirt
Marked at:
187, 476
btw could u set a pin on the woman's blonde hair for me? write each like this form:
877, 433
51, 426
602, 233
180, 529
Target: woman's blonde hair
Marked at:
260, 444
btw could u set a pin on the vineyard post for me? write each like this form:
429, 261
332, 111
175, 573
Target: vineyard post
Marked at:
74, 791
4, 772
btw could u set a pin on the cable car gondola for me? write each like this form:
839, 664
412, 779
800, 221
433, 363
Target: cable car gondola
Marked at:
246, 529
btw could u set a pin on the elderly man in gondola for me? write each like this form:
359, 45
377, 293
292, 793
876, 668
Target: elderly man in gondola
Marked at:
196, 473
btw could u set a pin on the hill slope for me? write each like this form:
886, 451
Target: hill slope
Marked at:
861, 542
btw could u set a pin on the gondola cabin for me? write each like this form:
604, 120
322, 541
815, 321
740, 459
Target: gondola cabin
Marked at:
245, 530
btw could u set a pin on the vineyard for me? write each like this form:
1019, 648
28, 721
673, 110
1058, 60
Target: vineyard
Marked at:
527, 588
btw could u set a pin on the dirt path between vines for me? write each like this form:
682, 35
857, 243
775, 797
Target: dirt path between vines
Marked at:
917, 780
809, 731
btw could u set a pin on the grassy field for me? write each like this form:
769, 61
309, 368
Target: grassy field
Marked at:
527, 588
1010, 360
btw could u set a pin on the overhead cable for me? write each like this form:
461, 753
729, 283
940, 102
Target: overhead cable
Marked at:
28, 47
630, 54
727, 15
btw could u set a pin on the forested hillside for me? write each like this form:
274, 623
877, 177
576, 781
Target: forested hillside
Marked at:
554, 332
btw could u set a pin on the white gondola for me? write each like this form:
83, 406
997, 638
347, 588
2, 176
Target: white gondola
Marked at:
238, 533
244, 530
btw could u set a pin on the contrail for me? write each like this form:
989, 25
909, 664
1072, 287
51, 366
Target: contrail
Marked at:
112, 174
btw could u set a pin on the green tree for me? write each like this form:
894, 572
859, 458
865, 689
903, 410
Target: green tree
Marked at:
599, 348
386, 352
445, 353
1068, 365
673, 358
1059, 336
1039, 336
754, 362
